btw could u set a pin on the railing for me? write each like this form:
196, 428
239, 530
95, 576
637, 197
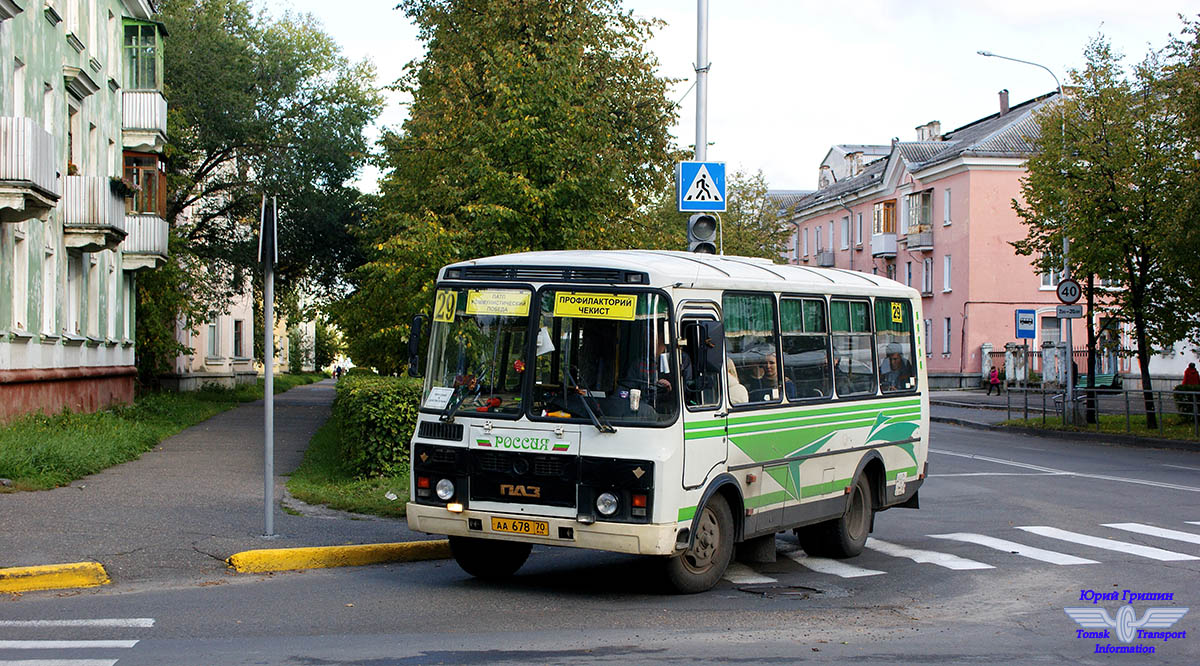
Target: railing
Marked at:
147, 235
27, 154
144, 110
90, 207
883, 245
1182, 406
825, 259
920, 240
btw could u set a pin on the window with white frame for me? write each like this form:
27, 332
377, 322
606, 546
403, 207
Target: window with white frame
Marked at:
804, 235
49, 291
891, 271
927, 275
946, 272
214, 340
929, 337
946, 336
1050, 280
920, 211
20, 279
111, 301
238, 350
946, 207
130, 317
908, 274
18, 88
796, 247
74, 296
831, 236
858, 236
93, 296
817, 239
846, 232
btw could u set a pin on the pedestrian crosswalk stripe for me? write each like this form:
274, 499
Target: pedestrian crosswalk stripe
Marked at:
926, 556
64, 645
1193, 522
60, 662
740, 574
1016, 548
834, 567
1150, 530
95, 622
1109, 544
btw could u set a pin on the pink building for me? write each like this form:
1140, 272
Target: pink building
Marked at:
936, 214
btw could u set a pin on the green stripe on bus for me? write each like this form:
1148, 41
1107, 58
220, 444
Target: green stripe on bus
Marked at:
687, 513
910, 471
804, 421
884, 403
824, 488
769, 498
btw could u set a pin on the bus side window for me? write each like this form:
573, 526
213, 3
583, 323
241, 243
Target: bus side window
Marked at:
701, 363
853, 358
895, 345
750, 343
805, 340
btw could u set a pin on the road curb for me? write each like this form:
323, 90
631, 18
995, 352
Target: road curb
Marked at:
1093, 437
53, 577
287, 559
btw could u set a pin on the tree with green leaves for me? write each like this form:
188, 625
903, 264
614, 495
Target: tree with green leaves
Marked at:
534, 125
1111, 184
257, 105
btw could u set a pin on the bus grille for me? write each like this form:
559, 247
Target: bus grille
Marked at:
435, 430
524, 478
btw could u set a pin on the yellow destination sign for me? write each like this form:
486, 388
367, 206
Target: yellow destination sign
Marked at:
595, 306
497, 302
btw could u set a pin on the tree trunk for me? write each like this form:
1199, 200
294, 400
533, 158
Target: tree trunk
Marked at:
1143, 353
1091, 350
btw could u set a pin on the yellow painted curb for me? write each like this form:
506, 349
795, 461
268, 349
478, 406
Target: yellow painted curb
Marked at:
285, 559
52, 577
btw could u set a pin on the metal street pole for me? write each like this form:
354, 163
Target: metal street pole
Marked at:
701, 67
1069, 403
268, 254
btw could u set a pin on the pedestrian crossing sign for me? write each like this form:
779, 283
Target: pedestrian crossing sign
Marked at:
701, 186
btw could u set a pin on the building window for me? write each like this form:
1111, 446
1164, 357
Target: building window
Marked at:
141, 57
805, 237
846, 232
93, 296
1050, 329
18, 88
130, 315
946, 336
1050, 280
48, 107
111, 302
817, 233
214, 340
74, 293
946, 207
49, 291
946, 273
858, 236
920, 211
884, 218
145, 171
929, 337
20, 279
891, 271
908, 274
927, 276
238, 351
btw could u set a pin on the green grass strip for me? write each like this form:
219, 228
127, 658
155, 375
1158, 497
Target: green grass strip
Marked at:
323, 478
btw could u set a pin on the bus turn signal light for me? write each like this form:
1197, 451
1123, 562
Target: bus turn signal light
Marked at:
638, 501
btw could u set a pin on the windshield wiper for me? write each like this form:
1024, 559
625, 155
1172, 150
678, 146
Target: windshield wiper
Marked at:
601, 424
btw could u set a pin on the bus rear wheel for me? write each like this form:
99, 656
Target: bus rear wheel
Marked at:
487, 558
700, 566
846, 536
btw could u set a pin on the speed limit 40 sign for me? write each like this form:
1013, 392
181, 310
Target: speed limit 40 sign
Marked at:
1068, 291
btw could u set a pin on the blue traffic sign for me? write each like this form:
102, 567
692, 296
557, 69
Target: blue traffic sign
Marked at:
701, 187
1026, 324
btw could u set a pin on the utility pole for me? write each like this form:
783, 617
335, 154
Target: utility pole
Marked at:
268, 253
701, 67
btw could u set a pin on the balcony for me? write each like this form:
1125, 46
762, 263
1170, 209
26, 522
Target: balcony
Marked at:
143, 120
920, 240
883, 245
825, 259
93, 217
146, 245
28, 178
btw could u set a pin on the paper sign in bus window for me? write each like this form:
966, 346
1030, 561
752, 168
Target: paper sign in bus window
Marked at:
443, 305
497, 302
595, 306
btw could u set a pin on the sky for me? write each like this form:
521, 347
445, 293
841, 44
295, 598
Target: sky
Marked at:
789, 79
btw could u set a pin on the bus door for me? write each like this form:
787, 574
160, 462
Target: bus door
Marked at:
705, 441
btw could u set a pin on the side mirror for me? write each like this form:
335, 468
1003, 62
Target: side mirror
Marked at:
702, 346
414, 345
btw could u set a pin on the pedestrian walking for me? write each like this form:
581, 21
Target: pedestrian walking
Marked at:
993, 381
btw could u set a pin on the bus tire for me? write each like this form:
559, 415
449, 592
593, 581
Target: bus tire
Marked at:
846, 536
698, 568
487, 558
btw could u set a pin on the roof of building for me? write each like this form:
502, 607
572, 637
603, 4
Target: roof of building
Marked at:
674, 268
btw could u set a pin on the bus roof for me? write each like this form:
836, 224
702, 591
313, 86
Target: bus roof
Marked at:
671, 268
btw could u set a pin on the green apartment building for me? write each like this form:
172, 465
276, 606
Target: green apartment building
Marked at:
82, 129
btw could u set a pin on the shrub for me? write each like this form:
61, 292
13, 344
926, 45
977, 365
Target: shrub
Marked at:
1186, 396
376, 416
357, 371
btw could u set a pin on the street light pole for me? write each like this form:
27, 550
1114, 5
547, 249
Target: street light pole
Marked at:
1068, 406
701, 80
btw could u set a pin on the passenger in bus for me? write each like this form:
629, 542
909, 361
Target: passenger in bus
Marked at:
737, 393
896, 373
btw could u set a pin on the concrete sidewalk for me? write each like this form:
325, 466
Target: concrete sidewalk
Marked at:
181, 510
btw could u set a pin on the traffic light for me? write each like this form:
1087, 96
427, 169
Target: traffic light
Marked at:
702, 233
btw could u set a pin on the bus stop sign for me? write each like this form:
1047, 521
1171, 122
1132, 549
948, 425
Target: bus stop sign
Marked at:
1026, 324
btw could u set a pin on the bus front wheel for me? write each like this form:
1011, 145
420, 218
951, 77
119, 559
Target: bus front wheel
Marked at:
700, 566
846, 536
487, 558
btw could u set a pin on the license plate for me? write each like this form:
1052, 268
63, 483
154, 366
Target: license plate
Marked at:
534, 527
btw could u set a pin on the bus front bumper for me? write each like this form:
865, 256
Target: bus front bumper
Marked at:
613, 537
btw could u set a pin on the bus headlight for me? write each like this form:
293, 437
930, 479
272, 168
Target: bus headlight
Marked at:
606, 504
445, 490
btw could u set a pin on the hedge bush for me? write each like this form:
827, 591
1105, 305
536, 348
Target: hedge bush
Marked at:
1186, 395
376, 417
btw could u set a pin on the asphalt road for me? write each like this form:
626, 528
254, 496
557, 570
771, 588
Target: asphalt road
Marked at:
1012, 530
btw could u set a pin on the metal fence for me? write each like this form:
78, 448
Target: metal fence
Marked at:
1048, 403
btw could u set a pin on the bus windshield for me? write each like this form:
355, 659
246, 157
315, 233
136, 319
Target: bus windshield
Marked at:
608, 353
477, 347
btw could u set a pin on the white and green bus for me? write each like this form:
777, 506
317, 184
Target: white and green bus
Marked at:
668, 404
